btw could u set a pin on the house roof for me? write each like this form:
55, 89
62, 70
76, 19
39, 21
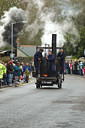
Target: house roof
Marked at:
28, 50
28, 45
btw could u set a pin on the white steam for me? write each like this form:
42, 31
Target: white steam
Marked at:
47, 19
37, 23
52, 17
1, 37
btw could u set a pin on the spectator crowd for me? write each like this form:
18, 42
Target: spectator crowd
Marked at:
15, 73
76, 67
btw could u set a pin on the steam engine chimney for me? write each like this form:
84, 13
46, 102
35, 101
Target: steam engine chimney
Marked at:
54, 37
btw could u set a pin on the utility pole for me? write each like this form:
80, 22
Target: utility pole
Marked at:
12, 24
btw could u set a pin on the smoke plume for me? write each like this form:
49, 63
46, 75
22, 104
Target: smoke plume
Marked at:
47, 17
14, 15
52, 16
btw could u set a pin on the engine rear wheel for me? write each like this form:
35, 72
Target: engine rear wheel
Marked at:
60, 81
38, 84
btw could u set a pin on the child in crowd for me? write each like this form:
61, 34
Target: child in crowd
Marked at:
70, 68
27, 73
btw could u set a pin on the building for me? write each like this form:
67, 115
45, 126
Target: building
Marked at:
26, 50
5, 53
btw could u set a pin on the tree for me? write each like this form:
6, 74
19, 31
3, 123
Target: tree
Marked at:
6, 4
79, 22
68, 46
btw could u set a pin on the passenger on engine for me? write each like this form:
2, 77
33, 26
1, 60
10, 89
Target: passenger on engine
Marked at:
37, 57
51, 59
61, 57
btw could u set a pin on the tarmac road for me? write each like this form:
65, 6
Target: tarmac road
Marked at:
48, 107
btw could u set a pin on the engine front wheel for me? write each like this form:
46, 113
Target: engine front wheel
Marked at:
59, 82
37, 86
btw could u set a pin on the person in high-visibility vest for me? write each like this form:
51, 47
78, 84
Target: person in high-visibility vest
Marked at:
2, 72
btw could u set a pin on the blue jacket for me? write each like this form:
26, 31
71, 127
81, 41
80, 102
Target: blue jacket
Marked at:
24, 69
51, 58
66, 65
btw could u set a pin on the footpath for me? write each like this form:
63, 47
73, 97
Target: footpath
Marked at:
31, 80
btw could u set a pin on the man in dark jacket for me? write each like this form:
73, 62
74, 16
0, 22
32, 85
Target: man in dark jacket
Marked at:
10, 70
61, 57
51, 59
37, 58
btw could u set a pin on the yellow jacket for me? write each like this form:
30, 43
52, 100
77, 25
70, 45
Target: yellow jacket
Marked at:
2, 70
27, 72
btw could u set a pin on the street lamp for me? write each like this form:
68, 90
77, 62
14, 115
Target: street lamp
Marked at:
12, 55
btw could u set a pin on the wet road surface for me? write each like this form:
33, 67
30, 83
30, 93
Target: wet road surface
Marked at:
48, 107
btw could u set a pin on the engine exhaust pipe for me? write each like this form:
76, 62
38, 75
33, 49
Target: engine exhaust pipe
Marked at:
54, 38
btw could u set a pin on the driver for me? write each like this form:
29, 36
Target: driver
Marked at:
51, 59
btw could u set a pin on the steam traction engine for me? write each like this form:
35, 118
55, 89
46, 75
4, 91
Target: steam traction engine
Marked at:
46, 77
